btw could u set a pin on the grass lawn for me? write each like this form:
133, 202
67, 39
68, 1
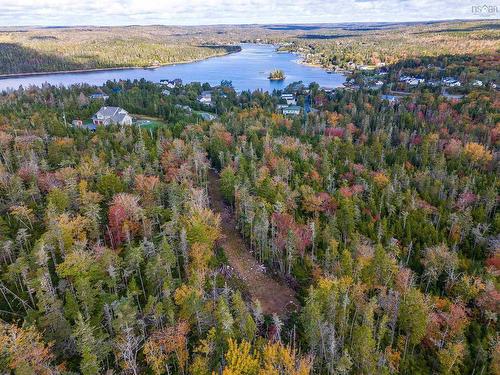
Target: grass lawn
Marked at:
148, 122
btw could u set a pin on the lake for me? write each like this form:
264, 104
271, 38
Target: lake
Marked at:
248, 70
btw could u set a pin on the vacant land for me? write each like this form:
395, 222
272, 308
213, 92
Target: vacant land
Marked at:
274, 297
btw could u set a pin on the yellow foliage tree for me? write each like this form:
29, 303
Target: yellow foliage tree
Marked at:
477, 153
240, 360
278, 359
273, 359
380, 179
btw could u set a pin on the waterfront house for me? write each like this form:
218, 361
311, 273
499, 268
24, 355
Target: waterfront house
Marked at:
112, 116
171, 83
205, 98
292, 110
289, 99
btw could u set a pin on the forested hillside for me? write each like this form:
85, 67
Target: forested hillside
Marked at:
60, 49
347, 48
27, 50
381, 216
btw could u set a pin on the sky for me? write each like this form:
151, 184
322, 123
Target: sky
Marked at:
207, 12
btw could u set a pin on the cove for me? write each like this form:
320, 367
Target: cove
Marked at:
248, 70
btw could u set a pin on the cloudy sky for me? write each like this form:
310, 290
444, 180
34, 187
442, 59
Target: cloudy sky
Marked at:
197, 12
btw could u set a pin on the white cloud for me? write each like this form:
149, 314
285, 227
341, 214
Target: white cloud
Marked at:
188, 12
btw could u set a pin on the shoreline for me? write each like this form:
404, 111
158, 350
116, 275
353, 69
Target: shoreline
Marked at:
301, 61
343, 72
328, 70
111, 69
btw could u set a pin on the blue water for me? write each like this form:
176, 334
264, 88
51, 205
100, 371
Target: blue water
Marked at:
248, 70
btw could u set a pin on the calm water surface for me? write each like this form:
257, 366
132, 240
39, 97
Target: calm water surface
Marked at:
248, 70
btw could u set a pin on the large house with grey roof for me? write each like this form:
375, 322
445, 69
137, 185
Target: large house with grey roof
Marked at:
112, 116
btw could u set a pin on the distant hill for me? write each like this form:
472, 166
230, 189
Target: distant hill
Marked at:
60, 48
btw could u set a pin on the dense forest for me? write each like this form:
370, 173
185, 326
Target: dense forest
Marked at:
61, 49
348, 48
381, 217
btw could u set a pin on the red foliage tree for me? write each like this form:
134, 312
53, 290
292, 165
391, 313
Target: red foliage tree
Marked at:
285, 224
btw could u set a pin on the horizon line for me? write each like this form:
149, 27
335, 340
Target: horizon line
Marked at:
259, 24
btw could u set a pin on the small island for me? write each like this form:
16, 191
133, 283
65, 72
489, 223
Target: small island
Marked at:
277, 75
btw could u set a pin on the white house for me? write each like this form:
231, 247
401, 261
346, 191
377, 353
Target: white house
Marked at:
391, 98
451, 82
99, 95
112, 115
292, 110
477, 83
289, 98
171, 83
415, 81
205, 98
